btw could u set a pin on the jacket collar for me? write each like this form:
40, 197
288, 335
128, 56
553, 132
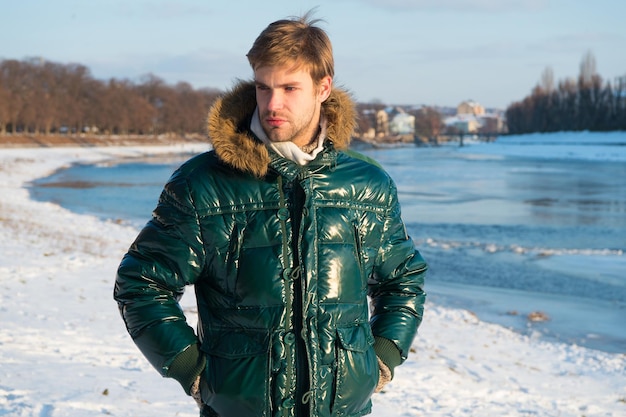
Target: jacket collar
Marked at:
229, 128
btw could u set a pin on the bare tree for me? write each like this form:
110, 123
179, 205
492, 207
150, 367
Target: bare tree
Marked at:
619, 97
93, 105
15, 86
73, 96
142, 114
43, 97
590, 94
116, 107
154, 90
45, 100
4, 106
547, 80
428, 123
587, 69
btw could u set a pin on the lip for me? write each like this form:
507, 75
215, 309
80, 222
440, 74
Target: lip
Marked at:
274, 122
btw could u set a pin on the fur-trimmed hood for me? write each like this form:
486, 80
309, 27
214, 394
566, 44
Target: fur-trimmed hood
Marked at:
236, 146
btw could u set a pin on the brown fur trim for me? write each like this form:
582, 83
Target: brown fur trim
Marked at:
235, 146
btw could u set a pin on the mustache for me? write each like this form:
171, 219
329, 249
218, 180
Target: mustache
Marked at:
273, 115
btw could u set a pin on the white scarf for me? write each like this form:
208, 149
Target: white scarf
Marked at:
289, 149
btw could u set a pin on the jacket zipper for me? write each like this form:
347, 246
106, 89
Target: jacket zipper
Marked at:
289, 371
302, 363
294, 290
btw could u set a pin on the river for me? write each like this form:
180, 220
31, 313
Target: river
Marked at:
506, 237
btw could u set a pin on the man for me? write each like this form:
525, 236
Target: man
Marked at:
284, 234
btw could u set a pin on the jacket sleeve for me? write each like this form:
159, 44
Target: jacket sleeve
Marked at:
166, 256
396, 289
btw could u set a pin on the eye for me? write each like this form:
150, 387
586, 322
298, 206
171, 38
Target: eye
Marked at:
290, 88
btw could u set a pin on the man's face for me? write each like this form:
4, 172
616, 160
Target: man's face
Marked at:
289, 102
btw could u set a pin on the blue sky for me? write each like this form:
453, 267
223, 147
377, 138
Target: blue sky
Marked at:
433, 52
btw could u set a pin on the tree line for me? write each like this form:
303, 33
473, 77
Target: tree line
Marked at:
43, 97
585, 103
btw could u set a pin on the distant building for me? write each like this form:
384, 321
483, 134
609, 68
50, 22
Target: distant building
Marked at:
470, 107
382, 123
492, 123
471, 117
398, 123
463, 123
402, 124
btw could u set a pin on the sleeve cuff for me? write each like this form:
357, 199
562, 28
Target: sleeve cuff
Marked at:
387, 351
187, 366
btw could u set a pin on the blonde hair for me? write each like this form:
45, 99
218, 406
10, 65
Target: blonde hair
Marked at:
294, 41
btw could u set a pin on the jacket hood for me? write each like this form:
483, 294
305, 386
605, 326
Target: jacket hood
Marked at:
234, 144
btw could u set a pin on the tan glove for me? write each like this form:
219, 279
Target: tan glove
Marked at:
384, 375
195, 392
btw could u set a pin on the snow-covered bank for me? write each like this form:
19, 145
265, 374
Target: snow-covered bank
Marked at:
595, 146
64, 350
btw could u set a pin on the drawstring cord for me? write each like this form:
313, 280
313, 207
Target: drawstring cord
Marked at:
306, 398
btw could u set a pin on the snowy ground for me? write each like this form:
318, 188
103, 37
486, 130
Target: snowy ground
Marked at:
64, 350
573, 145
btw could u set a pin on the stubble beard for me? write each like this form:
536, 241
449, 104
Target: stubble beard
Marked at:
292, 132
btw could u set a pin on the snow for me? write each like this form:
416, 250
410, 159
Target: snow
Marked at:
609, 146
64, 350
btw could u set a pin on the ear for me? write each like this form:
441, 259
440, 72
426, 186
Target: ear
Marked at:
324, 88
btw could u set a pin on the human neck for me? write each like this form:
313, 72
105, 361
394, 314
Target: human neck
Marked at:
289, 149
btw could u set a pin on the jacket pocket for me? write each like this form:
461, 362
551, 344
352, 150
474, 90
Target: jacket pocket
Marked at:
236, 379
357, 370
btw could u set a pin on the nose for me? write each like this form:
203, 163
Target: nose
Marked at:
275, 100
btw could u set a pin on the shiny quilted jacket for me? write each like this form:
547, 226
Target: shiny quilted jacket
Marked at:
282, 258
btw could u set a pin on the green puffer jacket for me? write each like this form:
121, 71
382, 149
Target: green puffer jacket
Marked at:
282, 258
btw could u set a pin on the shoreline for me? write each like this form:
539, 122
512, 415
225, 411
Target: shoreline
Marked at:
84, 140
